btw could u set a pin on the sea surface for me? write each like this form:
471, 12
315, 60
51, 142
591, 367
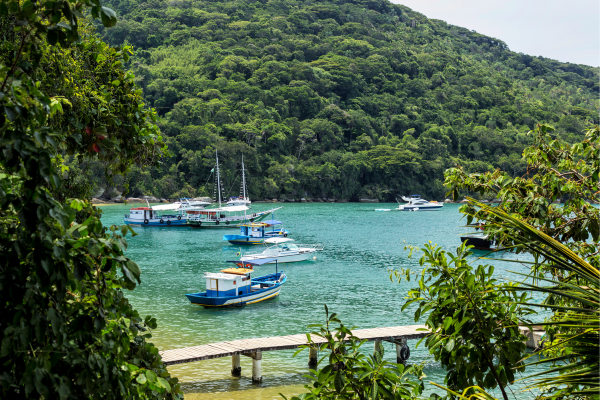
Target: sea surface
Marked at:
351, 276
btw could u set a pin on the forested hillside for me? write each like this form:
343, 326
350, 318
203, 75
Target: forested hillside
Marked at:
336, 99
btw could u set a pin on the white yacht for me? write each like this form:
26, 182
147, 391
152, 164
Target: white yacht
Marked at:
281, 250
416, 203
191, 204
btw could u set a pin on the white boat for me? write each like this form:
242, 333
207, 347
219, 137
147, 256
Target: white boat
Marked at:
416, 203
175, 214
223, 217
189, 204
243, 199
281, 250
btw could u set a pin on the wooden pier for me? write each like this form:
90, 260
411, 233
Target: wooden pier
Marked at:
254, 348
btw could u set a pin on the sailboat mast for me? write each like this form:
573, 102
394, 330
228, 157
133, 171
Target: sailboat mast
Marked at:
244, 185
218, 179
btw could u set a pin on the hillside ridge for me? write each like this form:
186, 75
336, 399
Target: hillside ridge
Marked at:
336, 99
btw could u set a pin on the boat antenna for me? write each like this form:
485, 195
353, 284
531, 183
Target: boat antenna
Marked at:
244, 186
218, 178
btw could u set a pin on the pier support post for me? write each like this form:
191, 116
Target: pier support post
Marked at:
377, 346
256, 370
313, 358
399, 352
236, 365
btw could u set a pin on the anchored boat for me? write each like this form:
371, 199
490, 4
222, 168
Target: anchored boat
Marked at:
256, 233
224, 217
235, 286
281, 250
479, 240
175, 214
416, 203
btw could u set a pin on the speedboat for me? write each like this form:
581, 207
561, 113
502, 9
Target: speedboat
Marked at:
175, 214
236, 287
281, 250
239, 201
256, 233
416, 203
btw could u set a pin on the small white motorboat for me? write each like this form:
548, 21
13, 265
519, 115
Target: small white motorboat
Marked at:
416, 203
281, 250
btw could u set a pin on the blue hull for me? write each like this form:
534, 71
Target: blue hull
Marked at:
241, 300
173, 222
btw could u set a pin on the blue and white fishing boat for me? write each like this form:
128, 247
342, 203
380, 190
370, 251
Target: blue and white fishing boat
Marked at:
175, 214
256, 233
235, 286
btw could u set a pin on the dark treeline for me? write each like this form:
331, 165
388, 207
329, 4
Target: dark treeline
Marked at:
336, 99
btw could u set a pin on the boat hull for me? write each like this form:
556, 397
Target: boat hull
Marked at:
227, 222
167, 222
236, 301
420, 208
280, 258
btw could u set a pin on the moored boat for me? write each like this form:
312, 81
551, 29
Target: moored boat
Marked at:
479, 240
242, 199
236, 287
224, 217
175, 214
281, 250
416, 203
256, 233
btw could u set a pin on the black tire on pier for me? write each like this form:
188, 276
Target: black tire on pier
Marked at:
146, 222
168, 222
217, 223
179, 217
162, 221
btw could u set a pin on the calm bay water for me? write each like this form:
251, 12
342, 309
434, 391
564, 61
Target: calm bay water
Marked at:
350, 275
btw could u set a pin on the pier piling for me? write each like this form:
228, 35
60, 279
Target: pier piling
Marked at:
313, 358
236, 365
377, 347
256, 367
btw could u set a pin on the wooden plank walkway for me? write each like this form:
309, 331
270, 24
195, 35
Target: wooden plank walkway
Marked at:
247, 346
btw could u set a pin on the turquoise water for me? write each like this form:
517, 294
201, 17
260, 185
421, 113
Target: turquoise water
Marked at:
351, 276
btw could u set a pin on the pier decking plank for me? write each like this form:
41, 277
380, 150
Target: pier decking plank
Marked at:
247, 346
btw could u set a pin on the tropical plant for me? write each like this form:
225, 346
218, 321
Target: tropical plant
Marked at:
350, 374
572, 294
557, 171
473, 318
67, 329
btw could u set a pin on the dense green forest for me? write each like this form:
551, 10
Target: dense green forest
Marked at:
340, 99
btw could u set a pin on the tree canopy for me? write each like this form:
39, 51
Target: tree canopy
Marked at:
337, 99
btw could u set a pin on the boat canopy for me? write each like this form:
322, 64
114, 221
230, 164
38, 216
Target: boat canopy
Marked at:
277, 240
258, 262
223, 276
164, 207
237, 271
226, 209
272, 222
254, 224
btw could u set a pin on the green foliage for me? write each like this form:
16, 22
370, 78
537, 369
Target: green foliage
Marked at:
67, 329
297, 86
574, 351
559, 171
350, 374
473, 319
